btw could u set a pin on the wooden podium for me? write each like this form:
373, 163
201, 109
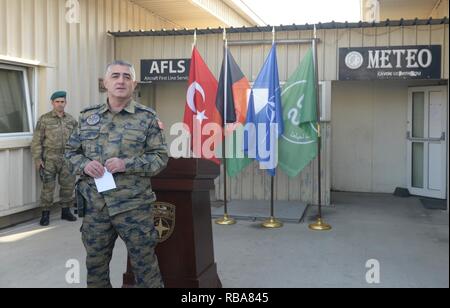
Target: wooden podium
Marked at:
186, 258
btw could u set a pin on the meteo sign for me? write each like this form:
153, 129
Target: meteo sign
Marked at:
400, 62
165, 70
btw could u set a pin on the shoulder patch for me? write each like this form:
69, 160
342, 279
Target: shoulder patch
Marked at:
91, 108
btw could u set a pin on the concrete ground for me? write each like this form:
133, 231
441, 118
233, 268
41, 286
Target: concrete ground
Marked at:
408, 242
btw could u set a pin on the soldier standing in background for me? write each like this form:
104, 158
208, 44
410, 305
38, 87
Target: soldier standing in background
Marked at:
126, 139
52, 132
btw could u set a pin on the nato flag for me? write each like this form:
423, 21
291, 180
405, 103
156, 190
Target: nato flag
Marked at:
264, 116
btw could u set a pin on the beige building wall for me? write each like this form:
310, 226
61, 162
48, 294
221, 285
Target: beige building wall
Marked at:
73, 56
69, 56
201, 14
369, 135
253, 184
410, 9
441, 9
223, 12
381, 10
383, 104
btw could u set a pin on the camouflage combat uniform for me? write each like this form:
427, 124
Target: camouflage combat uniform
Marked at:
48, 145
134, 135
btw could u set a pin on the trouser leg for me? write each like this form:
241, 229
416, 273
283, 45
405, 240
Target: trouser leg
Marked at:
98, 237
137, 230
67, 186
48, 186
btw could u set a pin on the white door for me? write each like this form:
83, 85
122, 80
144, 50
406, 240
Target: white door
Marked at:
427, 141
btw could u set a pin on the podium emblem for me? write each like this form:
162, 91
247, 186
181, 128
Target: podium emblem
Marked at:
164, 219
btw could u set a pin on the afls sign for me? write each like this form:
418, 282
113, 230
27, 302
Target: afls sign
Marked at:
165, 70
401, 62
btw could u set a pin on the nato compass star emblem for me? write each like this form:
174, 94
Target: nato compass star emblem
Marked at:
164, 220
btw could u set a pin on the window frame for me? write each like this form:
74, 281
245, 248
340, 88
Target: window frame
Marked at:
27, 93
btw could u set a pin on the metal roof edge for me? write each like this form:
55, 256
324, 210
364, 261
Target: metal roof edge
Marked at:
283, 28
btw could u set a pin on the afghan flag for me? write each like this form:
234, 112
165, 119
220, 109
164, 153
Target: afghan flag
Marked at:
200, 110
231, 103
298, 145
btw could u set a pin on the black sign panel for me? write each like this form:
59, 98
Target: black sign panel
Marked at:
395, 62
165, 70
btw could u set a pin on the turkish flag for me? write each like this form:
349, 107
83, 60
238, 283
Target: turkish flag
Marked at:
201, 111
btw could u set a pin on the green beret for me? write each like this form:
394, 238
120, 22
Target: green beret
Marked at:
58, 94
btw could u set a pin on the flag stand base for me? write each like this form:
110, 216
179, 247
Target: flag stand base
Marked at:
271, 223
319, 225
226, 220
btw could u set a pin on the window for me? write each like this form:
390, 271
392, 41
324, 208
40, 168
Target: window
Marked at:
15, 105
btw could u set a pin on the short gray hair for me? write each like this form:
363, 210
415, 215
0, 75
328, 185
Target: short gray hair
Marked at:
122, 63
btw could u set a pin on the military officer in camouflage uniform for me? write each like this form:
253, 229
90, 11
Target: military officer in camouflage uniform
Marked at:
52, 132
126, 139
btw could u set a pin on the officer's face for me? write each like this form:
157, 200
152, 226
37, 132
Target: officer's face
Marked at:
59, 104
119, 82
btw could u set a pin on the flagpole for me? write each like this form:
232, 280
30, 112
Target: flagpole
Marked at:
226, 219
319, 225
272, 222
273, 35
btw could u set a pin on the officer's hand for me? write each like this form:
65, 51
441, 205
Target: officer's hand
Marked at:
115, 165
94, 169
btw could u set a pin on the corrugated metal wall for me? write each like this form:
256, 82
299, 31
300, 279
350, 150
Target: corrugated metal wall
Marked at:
254, 184
76, 55
250, 58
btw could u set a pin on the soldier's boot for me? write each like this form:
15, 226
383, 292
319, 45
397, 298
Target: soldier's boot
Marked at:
45, 219
67, 215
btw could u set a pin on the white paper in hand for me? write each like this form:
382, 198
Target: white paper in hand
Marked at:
105, 183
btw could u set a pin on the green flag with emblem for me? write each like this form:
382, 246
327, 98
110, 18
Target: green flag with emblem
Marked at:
298, 145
